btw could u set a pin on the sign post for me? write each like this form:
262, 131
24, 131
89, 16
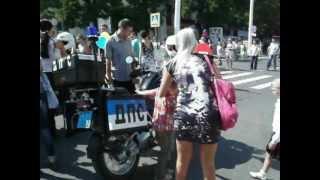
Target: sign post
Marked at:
250, 22
155, 23
177, 15
155, 20
216, 34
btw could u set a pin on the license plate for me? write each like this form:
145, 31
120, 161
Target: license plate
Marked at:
126, 113
84, 120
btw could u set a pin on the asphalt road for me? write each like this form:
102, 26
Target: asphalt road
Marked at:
240, 150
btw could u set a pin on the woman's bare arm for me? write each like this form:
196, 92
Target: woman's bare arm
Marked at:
165, 83
151, 92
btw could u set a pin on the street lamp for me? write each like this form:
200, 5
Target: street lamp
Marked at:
250, 22
177, 16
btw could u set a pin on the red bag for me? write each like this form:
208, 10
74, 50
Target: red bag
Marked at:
162, 115
226, 99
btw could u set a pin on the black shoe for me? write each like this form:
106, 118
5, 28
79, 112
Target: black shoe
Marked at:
53, 165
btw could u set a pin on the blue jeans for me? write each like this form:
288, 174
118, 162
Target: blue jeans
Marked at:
46, 138
274, 59
45, 134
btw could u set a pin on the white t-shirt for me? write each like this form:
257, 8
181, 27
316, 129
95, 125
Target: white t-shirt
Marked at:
273, 48
276, 123
230, 50
47, 63
253, 50
220, 51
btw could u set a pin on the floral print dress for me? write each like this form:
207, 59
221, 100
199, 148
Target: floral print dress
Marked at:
147, 58
196, 118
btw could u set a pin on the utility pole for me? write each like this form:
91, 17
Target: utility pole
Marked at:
177, 16
250, 22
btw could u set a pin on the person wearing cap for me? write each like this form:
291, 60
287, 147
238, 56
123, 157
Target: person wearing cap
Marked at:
171, 46
65, 42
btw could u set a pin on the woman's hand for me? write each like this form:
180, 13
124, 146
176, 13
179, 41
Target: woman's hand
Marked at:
137, 91
272, 146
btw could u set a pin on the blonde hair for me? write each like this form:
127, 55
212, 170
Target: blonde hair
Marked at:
185, 41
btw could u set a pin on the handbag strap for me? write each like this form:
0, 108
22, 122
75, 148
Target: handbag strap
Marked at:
214, 70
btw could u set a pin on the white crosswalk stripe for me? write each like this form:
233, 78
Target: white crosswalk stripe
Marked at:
243, 81
253, 80
226, 72
261, 86
237, 75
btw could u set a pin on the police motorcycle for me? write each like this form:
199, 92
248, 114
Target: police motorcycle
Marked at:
119, 121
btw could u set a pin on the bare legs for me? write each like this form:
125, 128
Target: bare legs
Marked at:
267, 163
184, 155
207, 157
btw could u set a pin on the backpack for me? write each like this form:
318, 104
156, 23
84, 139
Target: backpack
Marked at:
226, 99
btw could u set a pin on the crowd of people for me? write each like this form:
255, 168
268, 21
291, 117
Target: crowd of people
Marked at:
191, 111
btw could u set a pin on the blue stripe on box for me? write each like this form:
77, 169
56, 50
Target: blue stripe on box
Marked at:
111, 105
84, 120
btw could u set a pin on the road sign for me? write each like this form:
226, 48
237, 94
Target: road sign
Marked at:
215, 34
155, 19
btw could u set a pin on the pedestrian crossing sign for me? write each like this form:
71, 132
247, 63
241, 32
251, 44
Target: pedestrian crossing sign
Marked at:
155, 19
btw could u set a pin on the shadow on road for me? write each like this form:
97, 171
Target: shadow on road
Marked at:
72, 162
232, 153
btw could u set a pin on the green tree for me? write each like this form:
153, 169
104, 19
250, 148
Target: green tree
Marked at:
234, 14
81, 12
267, 18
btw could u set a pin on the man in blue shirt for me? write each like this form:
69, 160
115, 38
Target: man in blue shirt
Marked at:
91, 30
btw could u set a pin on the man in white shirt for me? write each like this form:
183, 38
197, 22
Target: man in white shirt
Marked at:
229, 54
254, 53
273, 51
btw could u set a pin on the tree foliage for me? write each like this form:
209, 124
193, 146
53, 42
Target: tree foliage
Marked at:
234, 14
230, 14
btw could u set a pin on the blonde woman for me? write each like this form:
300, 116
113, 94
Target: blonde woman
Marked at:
196, 118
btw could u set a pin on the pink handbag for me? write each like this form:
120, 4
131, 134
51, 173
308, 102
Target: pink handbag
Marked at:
226, 99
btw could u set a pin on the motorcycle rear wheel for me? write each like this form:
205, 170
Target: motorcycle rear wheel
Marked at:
110, 168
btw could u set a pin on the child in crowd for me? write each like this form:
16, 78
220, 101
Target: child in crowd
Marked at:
162, 121
273, 147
